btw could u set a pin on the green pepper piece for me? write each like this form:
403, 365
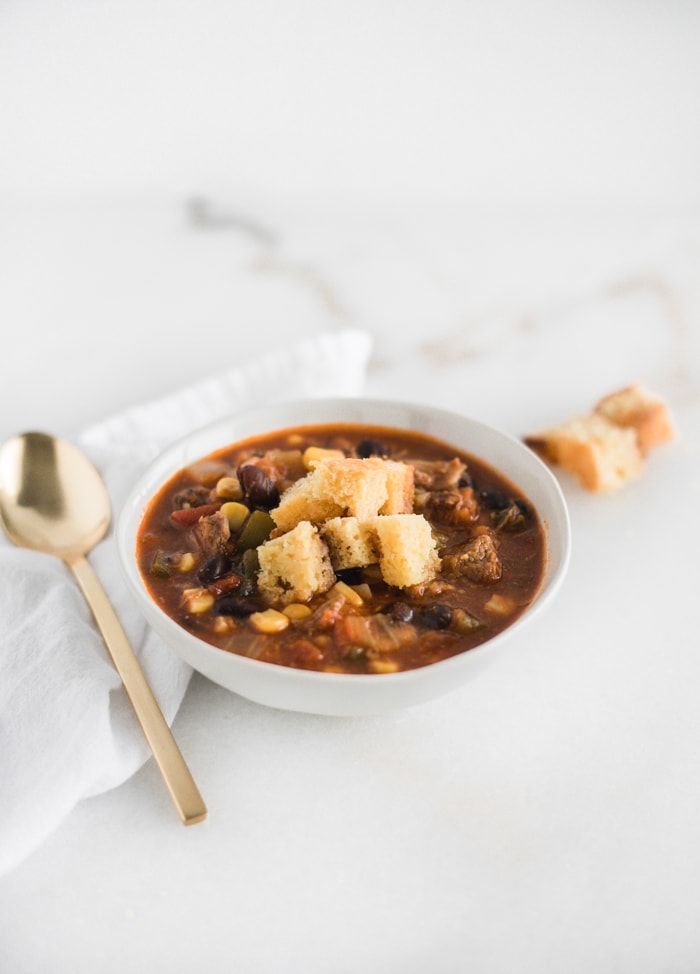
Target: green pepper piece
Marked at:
256, 530
250, 563
162, 565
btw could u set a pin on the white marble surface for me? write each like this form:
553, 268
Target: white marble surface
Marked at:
544, 817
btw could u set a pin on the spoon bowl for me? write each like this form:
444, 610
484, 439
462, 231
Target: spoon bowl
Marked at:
37, 510
53, 500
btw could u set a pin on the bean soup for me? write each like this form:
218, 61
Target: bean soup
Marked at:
342, 548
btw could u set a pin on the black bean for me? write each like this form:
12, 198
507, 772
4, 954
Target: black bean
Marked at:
371, 448
257, 486
493, 499
466, 480
351, 576
234, 605
400, 612
215, 567
435, 616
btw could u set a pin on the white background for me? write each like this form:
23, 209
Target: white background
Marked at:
373, 164
506, 104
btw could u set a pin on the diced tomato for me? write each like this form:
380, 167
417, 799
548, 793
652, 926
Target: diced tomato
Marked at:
304, 654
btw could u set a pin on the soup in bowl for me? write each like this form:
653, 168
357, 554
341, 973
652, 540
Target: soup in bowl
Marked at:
343, 556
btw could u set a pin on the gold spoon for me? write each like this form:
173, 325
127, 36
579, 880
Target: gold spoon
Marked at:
53, 500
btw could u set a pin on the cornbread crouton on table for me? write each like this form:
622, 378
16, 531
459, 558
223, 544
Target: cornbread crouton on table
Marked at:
601, 455
642, 410
605, 449
346, 487
294, 566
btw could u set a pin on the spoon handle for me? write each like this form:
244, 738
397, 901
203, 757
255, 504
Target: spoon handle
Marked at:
175, 772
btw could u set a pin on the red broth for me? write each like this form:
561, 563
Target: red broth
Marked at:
205, 574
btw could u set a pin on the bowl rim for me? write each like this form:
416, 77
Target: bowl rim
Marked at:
184, 449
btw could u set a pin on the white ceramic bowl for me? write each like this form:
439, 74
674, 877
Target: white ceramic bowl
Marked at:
336, 693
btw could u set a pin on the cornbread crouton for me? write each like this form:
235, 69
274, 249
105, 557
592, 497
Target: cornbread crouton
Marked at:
407, 552
399, 488
335, 487
359, 486
351, 542
606, 448
294, 566
643, 411
303, 502
600, 454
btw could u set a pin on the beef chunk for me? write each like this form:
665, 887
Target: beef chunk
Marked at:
211, 533
456, 506
193, 496
476, 560
437, 474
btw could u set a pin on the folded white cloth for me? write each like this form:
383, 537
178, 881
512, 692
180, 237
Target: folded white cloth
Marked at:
66, 728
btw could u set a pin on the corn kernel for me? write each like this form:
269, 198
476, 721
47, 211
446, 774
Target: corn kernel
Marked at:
314, 454
363, 590
296, 610
383, 666
499, 605
187, 561
235, 514
223, 625
229, 488
269, 621
348, 593
197, 600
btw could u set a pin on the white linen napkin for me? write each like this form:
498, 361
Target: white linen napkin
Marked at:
67, 730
